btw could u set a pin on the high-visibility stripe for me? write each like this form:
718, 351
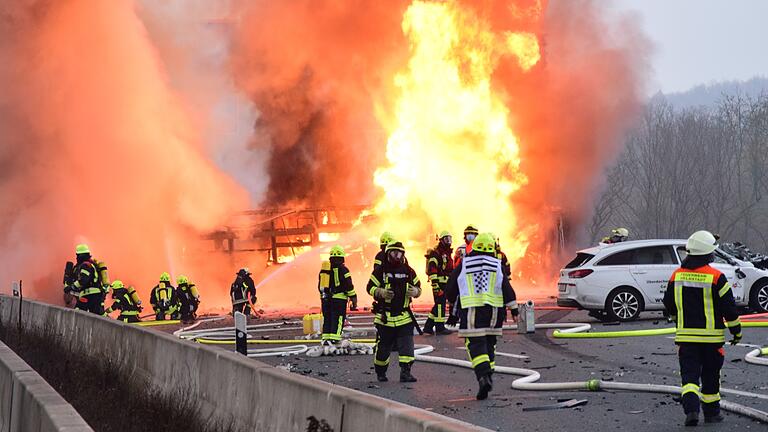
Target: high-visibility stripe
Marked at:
378, 362
709, 307
679, 305
690, 388
724, 290
700, 339
482, 358
347, 275
733, 323
710, 398
375, 281
405, 359
701, 331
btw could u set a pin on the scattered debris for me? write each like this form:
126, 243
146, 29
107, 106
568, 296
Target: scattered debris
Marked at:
570, 403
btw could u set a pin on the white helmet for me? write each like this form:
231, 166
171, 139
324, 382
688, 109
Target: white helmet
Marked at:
701, 243
621, 232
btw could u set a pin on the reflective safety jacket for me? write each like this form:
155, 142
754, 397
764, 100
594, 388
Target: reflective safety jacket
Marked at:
439, 265
480, 281
243, 290
700, 298
87, 281
189, 298
461, 252
394, 312
164, 298
335, 281
124, 301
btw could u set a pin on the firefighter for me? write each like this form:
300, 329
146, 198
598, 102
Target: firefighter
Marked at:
189, 299
336, 291
470, 232
243, 293
700, 300
505, 266
618, 235
126, 300
393, 285
165, 299
381, 256
85, 281
483, 294
439, 267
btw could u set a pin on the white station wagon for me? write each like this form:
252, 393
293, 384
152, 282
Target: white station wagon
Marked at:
621, 280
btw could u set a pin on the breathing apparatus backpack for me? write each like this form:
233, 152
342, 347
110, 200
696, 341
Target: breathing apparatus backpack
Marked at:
324, 284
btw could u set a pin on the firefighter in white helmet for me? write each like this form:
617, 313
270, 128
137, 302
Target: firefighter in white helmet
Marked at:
618, 235
700, 300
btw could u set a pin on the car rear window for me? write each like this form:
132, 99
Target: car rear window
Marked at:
580, 260
619, 258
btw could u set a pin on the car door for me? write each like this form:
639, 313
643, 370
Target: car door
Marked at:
652, 267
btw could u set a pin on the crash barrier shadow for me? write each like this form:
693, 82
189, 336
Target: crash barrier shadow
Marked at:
28, 403
230, 389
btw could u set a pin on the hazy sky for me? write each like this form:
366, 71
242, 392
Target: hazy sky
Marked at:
701, 41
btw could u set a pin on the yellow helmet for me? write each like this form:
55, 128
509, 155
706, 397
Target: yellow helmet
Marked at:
117, 284
165, 277
337, 252
470, 229
386, 238
82, 249
182, 280
484, 243
443, 233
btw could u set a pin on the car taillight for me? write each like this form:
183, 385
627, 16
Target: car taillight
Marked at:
578, 274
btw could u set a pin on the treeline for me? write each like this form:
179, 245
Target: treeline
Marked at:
688, 169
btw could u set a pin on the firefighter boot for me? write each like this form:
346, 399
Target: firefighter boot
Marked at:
486, 385
429, 327
381, 373
714, 419
441, 330
692, 419
405, 373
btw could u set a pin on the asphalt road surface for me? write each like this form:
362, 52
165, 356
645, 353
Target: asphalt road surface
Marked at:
451, 390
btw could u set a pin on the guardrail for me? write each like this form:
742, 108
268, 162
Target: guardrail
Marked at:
28, 403
231, 389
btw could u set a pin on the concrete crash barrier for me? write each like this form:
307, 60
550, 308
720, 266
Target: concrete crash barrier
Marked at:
230, 389
28, 403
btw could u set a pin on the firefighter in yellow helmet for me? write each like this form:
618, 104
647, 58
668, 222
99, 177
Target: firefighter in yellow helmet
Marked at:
336, 290
85, 281
439, 267
164, 299
618, 235
484, 294
700, 300
392, 285
189, 299
126, 300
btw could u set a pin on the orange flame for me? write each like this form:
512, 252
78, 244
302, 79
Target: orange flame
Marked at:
450, 134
